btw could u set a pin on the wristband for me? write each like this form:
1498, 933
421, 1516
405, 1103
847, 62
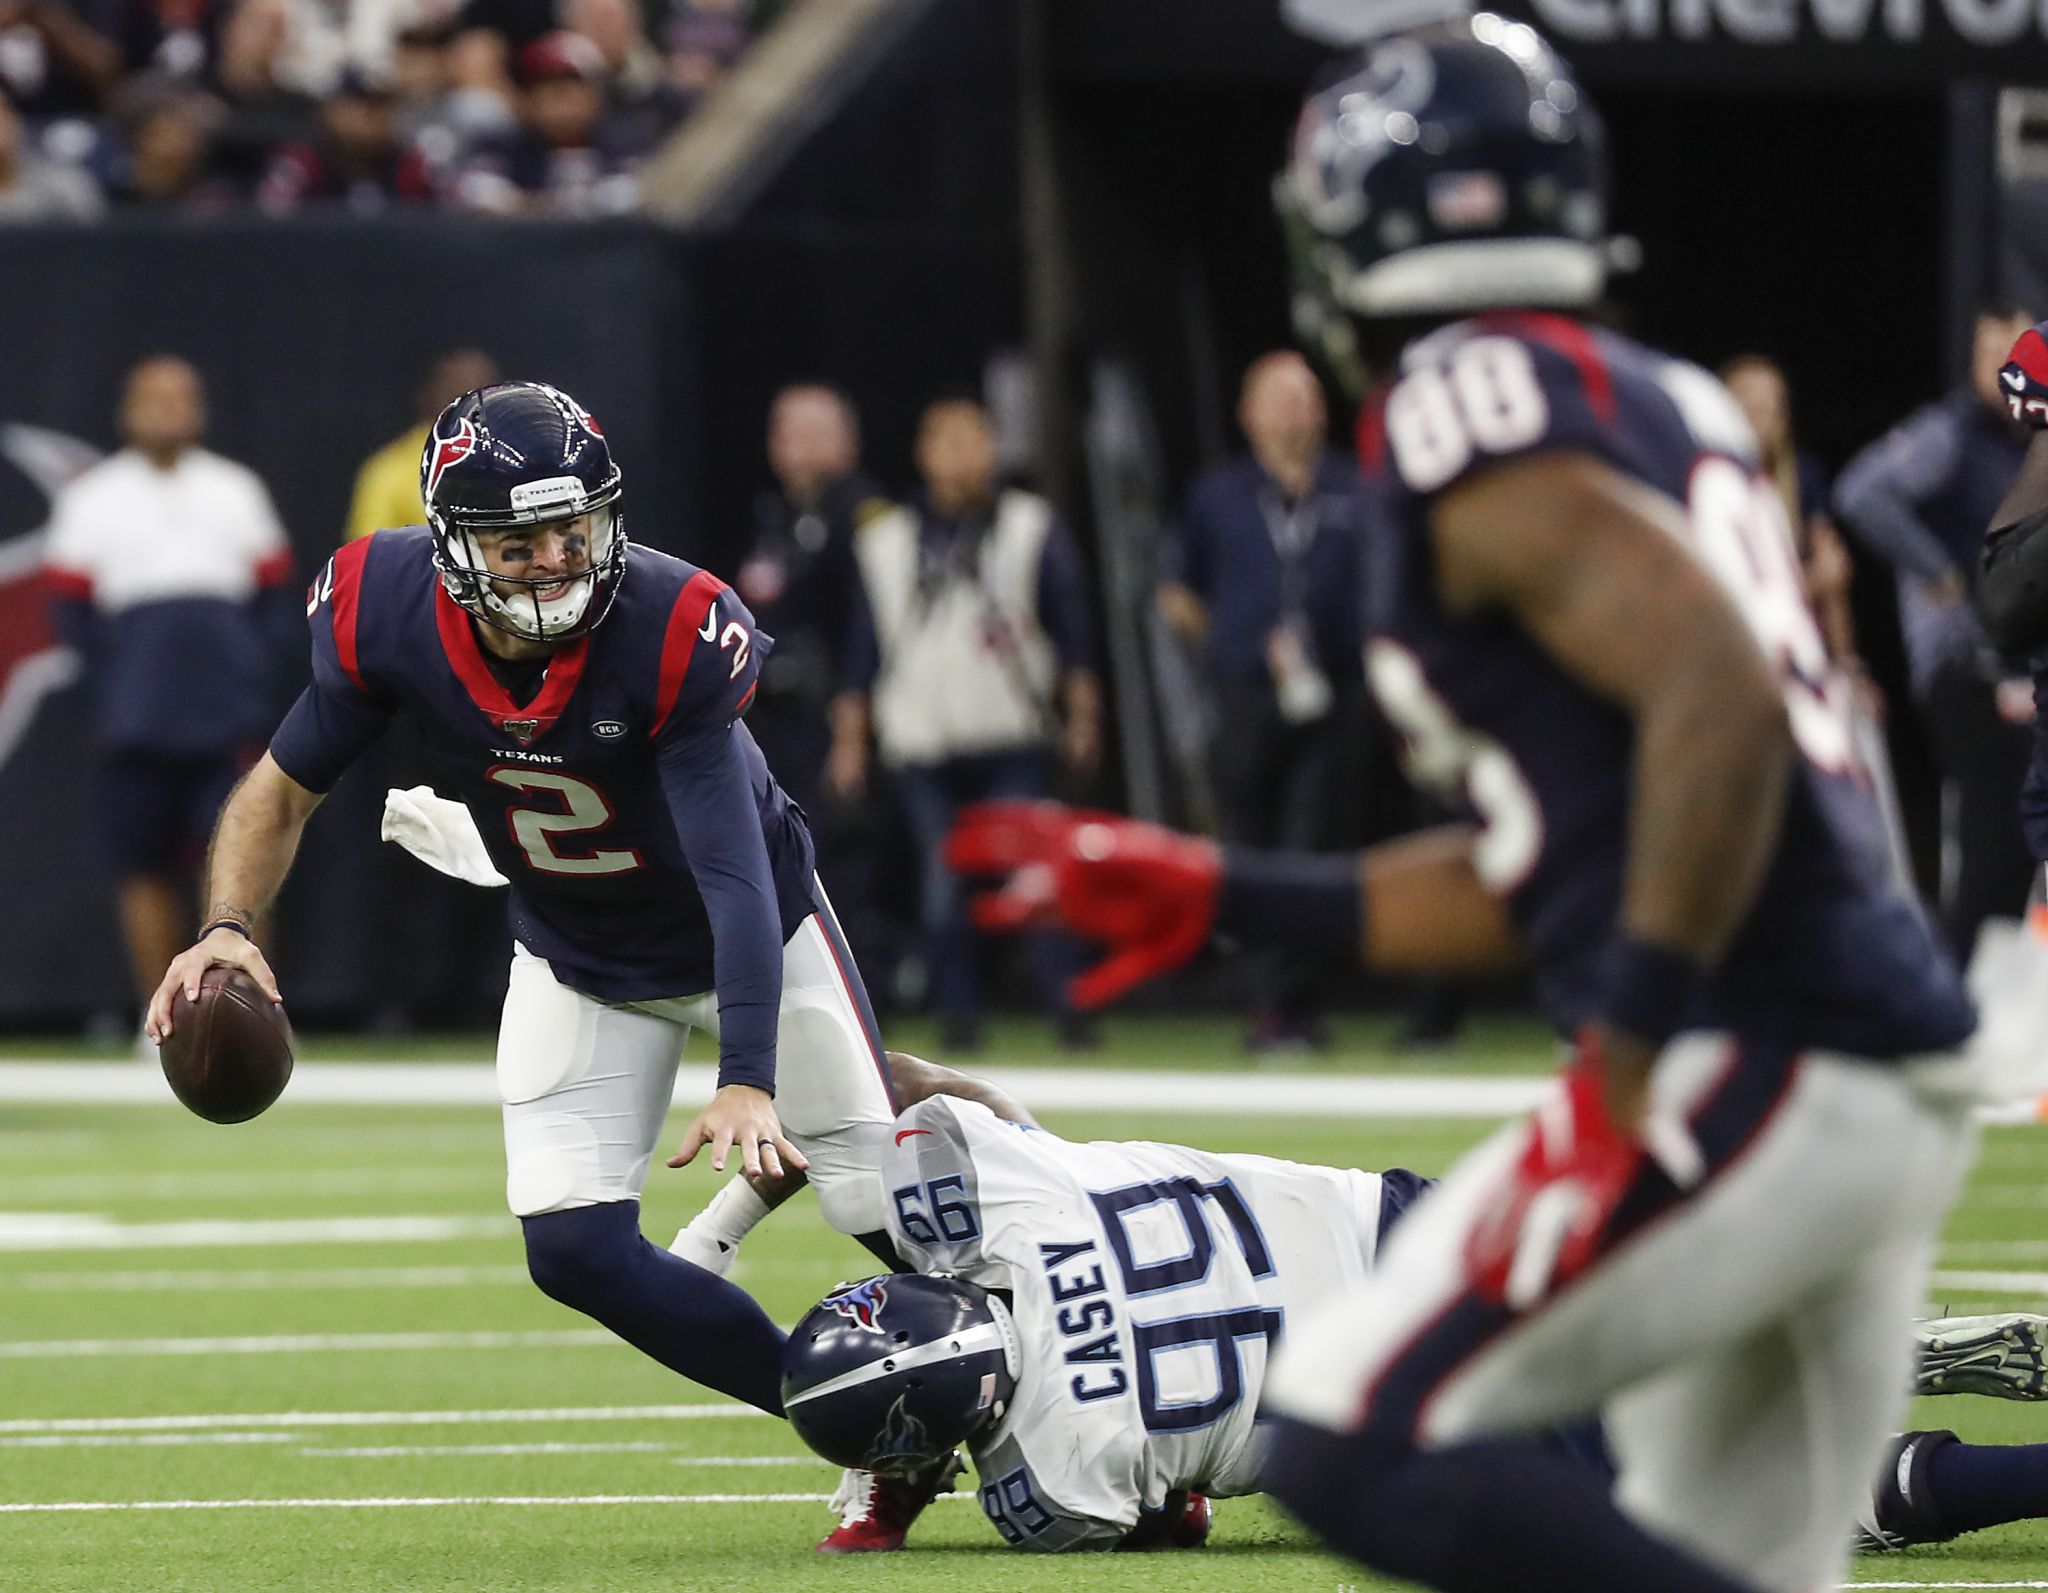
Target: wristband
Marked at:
235, 924
1293, 900
1651, 991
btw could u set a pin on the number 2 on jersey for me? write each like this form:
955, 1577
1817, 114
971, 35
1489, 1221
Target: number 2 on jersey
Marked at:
583, 809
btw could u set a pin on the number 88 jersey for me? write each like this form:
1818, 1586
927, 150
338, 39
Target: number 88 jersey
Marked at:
602, 789
1830, 955
1147, 1283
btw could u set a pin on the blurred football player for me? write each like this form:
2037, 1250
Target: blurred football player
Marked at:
1586, 622
584, 699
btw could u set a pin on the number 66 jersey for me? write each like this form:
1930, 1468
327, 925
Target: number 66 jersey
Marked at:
1147, 1283
1830, 957
610, 781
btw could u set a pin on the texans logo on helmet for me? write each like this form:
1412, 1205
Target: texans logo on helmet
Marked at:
32, 662
448, 451
861, 1305
2025, 379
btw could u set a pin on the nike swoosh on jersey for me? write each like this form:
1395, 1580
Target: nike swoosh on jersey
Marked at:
2016, 380
903, 1134
710, 630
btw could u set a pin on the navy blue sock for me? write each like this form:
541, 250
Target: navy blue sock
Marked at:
594, 1259
1474, 1518
1987, 1485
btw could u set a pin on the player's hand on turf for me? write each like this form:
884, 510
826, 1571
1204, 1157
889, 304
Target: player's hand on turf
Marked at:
740, 1115
1143, 891
223, 947
1586, 1149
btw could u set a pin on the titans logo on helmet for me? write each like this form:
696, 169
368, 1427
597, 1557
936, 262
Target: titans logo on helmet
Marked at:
861, 1305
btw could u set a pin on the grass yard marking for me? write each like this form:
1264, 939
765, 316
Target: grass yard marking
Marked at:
224, 1183
373, 1418
127, 1440
1995, 1282
407, 1451
45, 1230
1978, 1251
303, 1343
213, 1280
95, 1506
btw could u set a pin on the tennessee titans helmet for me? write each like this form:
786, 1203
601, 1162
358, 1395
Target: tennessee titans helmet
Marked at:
1453, 169
509, 456
890, 1374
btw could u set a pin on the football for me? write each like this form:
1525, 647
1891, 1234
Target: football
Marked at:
229, 1053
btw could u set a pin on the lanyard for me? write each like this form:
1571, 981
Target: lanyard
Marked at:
1293, 531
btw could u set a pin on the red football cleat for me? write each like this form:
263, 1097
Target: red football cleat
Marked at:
1192, 1530
875, 1513
1181, 1522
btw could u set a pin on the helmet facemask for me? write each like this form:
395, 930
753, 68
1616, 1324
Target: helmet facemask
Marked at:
535, 608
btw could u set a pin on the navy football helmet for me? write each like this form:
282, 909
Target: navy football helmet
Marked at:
514, 455
889, 1374
1454, 169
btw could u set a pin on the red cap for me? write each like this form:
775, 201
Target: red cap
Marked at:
561, 54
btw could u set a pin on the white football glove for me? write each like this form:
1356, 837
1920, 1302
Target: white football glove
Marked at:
440, 833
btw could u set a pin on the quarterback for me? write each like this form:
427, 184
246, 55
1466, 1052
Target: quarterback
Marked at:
583, 696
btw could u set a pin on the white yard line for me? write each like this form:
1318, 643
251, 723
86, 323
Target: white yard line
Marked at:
219, 1184
299, 1279
114, 1505
408, 1451
1995, 1282
141, 1440
43, 1230
1299, 1094
373, 1418
303, 1343
1053, 1089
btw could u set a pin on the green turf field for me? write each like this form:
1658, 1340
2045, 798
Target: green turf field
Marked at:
159, 1346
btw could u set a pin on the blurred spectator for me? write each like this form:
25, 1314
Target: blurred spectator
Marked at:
170, 576
35, 189
53, 62
167, 160
568, 158
1264, 578
1920, 498
306, 48
796, 579
387, 491
1759, 386
973, 648
702, 41
175, 40
358, 159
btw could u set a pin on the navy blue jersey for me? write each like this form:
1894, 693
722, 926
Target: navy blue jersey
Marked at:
650, 852
1830, 955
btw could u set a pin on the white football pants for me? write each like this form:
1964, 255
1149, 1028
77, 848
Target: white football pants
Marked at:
586, 1086
1749, 1345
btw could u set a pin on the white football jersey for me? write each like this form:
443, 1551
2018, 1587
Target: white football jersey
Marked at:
1149, 1283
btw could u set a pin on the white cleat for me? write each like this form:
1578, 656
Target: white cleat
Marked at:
2005, 1356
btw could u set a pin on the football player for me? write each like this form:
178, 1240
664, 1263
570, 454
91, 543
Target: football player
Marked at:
583, 696
1094, 1322
1586, 624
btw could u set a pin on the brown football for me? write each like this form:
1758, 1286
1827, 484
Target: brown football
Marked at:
229, 1053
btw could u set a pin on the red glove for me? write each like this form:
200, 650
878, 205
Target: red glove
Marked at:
1146, 893
1575, 1169
2024, 379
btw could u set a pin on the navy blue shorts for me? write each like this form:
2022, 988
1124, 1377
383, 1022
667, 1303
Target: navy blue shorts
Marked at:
158, 808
